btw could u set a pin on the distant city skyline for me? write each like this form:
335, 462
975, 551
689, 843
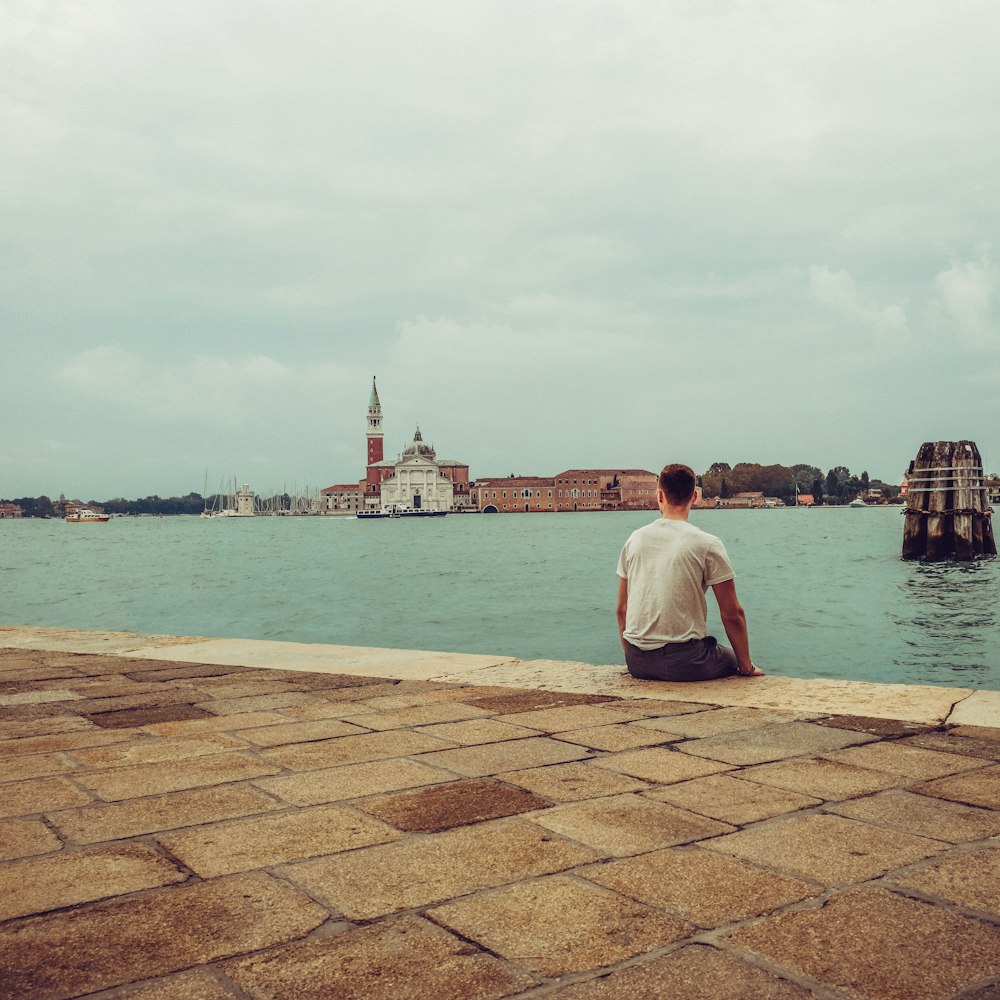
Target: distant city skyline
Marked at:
561, 235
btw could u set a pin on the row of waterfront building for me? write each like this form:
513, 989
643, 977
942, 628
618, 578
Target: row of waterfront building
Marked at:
418, 478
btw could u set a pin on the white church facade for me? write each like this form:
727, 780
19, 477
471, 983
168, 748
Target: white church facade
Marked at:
417, 478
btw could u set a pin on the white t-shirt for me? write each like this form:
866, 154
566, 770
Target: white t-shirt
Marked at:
669, 565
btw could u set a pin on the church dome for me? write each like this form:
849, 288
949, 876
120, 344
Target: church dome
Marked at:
418, 448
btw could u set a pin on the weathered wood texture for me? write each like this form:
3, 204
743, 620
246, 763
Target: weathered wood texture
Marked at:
947, 508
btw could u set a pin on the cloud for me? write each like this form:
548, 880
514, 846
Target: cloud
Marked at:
838, 291
206, 388
966, 301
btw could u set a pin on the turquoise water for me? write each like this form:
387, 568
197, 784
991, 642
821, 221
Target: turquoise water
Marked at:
825, 590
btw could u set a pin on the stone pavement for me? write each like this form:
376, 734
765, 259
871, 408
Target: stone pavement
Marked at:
177, 829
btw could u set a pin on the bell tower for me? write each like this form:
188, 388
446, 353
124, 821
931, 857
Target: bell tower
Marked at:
374, 433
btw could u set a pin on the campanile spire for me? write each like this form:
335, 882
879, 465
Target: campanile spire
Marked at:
374, 427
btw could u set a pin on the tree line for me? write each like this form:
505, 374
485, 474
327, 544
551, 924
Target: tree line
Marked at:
838, 486
192, 503
42, 506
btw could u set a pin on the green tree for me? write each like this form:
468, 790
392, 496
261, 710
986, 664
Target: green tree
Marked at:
35, 506
833, 483
803, 475
817, 491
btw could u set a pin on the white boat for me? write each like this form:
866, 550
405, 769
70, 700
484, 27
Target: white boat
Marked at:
857, 502
398, 510
85, 514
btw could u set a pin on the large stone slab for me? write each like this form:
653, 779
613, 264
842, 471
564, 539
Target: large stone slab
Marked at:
193, 772
146, 715
167, 694
70, 877
34, 766
216, 724
46, 726
830, 850
776, 742
527, 924
155, 751
81, 950
492, 758
406, 958
240, 687
622, 736
320, 658
67, 740
568, 717
980, 708
376, 881
627, 824
970, 879
703, 887
38, 697
719, 721
25, 798
297, 732
660, 765
975, 788
78, 641
505, 702
459, 803
730, 800
266, 841
24, 838
573, 782
133, 817
352, 750
195, 984
876, 944
254, 703
966, 741
309, 788
477, 731
906, 761
924, 816
695, 972
820, 778
419, 715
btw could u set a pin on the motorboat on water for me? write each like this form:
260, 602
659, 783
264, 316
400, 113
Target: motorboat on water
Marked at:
857, 502
85, 514
399, 510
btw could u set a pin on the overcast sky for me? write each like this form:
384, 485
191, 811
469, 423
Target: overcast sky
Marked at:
561, 234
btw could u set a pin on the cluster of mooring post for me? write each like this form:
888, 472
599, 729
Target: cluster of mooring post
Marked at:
947, 506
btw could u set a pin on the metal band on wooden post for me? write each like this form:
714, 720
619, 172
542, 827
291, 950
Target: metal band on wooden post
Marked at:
948, 514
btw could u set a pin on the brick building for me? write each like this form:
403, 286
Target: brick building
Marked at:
507, 494
571, 490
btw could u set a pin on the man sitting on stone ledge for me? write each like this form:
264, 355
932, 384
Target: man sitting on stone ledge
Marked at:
664, 570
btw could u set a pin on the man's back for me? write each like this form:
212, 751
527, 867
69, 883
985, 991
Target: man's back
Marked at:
669, 564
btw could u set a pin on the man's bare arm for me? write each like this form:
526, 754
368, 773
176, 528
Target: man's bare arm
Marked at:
622, 609
734, 620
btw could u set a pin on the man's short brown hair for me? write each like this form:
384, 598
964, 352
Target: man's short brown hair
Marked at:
678, 483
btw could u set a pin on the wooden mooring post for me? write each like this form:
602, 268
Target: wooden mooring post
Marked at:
947, 507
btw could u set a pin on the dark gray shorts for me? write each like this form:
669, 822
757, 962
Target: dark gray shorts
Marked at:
695, 660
